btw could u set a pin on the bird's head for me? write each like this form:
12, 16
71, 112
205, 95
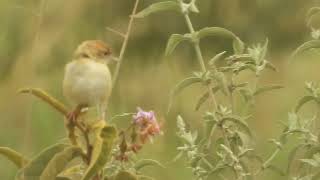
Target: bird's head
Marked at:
95, 50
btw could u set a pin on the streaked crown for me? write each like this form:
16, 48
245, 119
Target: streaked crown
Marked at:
93, 49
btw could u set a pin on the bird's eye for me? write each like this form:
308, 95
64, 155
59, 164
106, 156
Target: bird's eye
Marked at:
106, 53
85, 55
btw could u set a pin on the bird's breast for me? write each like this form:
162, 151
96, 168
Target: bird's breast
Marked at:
87, 82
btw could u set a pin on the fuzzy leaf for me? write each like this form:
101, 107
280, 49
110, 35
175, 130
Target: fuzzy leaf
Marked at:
101, 151
312, 11
13, 156
174, 41
35, 167
217, 57
59, 162
182, 85
125, 175
306, 46
305, 100
292, 155
239, 122
238, 45
158, 7
223, 83
147, 162
204, 98
266, 89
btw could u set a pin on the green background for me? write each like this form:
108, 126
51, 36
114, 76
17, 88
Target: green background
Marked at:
34, 50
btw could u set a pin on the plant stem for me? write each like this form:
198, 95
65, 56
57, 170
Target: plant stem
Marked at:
200, 59
125, 43
274, 154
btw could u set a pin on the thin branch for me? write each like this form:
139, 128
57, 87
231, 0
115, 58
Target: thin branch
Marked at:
125, 43
116, 32
46, 98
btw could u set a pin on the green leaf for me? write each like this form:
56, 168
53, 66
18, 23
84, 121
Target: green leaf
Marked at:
174, 41
292, 155
125, 175
306, 46
305, 100
222, 82
217, 57
239, 122
35, 167
158, 7
101, 151
222, 32
205, 97
147, 162
13, 156
182, 85
238, 46
312, 11
266, 89
59, 162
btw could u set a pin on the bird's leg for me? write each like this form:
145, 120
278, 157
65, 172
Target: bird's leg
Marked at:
73, 115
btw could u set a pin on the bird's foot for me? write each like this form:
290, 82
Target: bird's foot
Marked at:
72, 117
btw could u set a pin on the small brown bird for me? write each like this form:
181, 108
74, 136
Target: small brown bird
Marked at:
87, 80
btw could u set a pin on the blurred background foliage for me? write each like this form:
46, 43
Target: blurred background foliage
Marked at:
37, 39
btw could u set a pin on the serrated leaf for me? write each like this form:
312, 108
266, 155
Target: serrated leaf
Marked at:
239, 122
125, 175
13, 156
266, 89
306, 46
33, 170
174, 41
158, 7
57, 164
181, 86
305, 100
147, 162
101, 151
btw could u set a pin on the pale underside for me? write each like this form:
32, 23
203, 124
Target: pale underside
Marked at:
87, 82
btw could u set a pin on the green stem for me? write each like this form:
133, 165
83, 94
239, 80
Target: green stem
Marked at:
200, 59
268, 161
125, 43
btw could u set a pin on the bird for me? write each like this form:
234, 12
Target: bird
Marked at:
87, 79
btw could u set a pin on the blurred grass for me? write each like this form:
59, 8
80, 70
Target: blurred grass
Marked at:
34, 54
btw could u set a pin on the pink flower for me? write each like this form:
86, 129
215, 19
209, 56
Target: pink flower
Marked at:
147, 124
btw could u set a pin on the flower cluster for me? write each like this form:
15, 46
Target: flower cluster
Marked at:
147, 124
143, 128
